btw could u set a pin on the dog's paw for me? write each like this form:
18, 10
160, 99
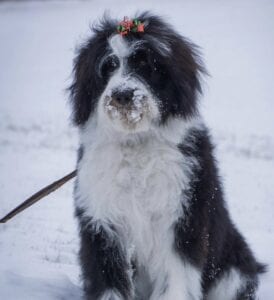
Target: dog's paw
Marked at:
111, 295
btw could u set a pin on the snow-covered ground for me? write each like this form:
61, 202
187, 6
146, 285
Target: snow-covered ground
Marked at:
38, 249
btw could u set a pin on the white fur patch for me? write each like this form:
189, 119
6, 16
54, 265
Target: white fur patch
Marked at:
119, 46
227, 287
130, 175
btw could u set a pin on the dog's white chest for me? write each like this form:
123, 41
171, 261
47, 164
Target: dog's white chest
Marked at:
135, 188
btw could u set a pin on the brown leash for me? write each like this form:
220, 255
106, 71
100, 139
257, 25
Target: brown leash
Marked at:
38, 196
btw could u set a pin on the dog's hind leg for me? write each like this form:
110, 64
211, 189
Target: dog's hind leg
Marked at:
233, 285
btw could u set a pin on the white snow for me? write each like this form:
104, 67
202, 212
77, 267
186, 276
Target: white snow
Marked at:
38, 248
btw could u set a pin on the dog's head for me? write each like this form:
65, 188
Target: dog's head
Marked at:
131, 82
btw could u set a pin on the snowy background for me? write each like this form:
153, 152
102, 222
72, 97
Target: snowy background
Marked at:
38, 249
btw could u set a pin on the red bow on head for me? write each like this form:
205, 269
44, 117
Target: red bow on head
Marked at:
126, 26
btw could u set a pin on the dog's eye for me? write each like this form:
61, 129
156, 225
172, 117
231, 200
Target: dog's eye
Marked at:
110, 64
139, 59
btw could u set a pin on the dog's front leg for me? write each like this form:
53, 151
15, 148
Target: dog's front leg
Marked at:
105, 269
177, 280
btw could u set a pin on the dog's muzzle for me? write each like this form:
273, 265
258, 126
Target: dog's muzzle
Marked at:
126, 105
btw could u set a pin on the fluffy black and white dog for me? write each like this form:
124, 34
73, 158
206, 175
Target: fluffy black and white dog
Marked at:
153, 221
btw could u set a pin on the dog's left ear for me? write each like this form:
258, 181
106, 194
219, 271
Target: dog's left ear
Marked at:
188, 58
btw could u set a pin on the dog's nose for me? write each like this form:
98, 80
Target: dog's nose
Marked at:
123, 97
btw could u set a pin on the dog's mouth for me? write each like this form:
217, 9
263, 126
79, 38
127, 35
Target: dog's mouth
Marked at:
129, 114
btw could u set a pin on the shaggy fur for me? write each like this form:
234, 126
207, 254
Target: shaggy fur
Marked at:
152, 218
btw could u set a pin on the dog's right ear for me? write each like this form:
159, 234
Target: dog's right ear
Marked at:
83, 87
87, 85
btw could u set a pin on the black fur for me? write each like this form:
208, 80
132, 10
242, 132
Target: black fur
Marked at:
205, 236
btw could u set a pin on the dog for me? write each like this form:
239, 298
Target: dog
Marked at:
153, 222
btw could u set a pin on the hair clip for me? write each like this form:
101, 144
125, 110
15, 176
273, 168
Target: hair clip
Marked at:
126, 26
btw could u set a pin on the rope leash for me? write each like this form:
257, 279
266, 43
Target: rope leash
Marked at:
38, 196
124, 27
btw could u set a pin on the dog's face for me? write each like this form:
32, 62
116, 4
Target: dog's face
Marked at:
136, 81
127, 100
